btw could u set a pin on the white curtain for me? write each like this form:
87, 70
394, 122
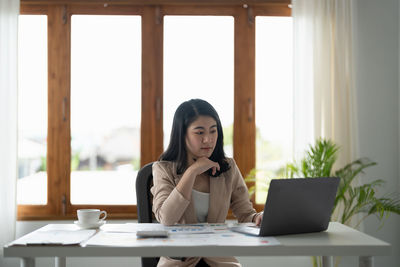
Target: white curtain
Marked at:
9, 10
325, 103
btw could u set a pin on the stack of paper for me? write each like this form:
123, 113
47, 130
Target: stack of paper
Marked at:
54, 237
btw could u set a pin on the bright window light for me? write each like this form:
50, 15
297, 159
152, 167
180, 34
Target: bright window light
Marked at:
105, 108
32, 109
274, 97
198, 63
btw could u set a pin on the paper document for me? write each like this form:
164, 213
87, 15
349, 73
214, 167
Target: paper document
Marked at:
175, 229
54, 237
179, 235
112, 239
115, 239
190, 229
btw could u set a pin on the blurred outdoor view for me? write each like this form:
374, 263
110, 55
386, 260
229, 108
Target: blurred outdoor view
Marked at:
198, 63
106, 97
32, 109
105, 108
274, 98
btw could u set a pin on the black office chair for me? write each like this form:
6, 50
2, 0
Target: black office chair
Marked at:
144, 181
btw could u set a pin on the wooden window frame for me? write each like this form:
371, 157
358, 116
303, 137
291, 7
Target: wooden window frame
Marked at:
59, 15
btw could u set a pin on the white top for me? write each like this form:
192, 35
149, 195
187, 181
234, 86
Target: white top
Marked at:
201, 201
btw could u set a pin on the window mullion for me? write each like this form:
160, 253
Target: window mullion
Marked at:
244, 131
152, 85
58, 140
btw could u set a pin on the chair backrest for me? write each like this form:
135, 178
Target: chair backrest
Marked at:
144, 181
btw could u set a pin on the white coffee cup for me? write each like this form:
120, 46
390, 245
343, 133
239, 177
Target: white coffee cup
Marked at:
91, 216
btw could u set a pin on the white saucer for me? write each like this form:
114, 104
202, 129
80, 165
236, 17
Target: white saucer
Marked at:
90, 225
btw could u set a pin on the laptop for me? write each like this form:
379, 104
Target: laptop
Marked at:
295, 206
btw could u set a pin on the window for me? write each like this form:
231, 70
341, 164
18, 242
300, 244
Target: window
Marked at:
142, 62
105, 108
32, 110
274, 97
198, 63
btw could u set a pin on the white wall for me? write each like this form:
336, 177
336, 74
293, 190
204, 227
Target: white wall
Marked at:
377, 72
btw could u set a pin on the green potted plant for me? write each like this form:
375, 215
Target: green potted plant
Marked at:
353, 198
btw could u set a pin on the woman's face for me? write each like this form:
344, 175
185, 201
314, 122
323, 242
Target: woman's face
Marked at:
201, 137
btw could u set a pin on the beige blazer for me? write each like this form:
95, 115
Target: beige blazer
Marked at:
226, 191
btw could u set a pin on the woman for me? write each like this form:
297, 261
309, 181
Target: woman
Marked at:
194, 181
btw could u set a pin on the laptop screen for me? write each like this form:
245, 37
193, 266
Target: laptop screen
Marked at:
298, 205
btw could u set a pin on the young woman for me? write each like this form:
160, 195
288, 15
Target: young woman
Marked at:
194, 181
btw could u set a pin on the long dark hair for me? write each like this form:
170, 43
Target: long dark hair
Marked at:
185, 114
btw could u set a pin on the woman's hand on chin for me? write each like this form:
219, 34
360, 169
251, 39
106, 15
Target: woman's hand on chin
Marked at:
203, 164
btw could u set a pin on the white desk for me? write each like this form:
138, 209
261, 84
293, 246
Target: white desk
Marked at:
338, 240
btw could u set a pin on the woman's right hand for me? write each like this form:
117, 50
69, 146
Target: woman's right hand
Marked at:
203, 164
199, 166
